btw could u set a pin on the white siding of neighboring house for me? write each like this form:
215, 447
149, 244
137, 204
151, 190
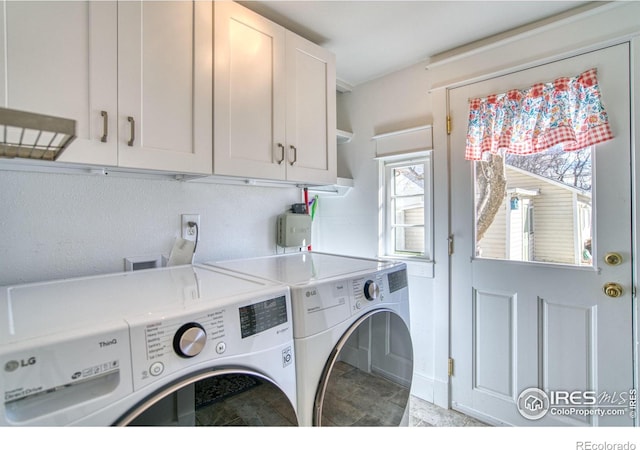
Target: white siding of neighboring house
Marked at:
414, 237
554, 221
493, 244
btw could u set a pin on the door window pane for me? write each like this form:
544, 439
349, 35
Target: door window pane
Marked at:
535, 208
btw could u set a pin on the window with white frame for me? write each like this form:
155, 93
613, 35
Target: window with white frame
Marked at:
407, 207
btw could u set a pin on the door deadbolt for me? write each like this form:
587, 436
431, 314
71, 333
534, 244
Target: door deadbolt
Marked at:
613, 290
613, 258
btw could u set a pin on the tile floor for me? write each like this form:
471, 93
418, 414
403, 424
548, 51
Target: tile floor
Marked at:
353, 398
425, 414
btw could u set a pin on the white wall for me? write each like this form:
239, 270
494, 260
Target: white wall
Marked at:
61, 225
349, 224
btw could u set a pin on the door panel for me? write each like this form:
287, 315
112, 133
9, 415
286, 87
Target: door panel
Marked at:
494, 333
519, 324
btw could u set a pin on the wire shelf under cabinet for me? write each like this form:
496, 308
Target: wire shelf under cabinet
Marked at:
34, 136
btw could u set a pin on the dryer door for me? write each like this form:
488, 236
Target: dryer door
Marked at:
367, 379
215, 398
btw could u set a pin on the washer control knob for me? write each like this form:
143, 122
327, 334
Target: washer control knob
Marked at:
371, 290
189, 340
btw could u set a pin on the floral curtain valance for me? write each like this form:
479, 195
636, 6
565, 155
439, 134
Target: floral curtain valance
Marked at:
567, 111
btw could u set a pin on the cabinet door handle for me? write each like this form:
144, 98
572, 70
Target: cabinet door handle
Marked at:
105, 126
133, 131
281, 147
295, 154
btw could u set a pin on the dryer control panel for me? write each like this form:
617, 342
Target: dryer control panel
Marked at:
322, 305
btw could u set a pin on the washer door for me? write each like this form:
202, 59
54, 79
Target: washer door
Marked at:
215, 398
367, 379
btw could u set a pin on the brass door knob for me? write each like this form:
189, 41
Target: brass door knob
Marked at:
613, 290
613, 258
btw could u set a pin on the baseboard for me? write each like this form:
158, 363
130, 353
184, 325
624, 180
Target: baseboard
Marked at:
441, 393
422, 387
430, 390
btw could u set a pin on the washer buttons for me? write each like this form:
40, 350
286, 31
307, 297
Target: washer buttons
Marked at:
221, 347
156, 368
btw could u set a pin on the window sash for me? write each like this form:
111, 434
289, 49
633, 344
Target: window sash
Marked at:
390, 244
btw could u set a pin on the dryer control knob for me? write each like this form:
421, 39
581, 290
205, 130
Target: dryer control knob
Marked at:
371, 290
189, 340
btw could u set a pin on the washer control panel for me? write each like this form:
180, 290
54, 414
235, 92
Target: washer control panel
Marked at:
174, 336
172, 343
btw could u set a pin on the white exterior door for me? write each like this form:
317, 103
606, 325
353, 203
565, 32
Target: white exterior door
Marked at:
523, 324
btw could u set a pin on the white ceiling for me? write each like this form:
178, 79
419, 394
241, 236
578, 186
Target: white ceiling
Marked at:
374, 38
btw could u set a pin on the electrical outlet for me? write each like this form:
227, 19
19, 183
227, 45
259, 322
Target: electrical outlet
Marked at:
190, 233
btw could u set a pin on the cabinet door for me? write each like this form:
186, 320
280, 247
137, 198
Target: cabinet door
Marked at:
60, 60
249, 129
164, 85
311, 112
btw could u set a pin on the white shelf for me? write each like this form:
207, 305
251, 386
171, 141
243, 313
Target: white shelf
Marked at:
343, 136
341, 188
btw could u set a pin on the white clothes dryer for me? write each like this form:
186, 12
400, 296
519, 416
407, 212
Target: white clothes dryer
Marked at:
354, 356
186, 345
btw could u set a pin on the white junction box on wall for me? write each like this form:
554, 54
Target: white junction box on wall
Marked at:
294, 230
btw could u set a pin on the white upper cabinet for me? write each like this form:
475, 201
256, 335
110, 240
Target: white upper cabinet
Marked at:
249, 93
274, 108
311, 112
165, 85
136, 77
61, 59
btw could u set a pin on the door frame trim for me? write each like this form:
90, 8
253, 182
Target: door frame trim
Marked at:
635, 196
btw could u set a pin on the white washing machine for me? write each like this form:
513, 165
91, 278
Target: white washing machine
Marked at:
354, 356
185, 345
